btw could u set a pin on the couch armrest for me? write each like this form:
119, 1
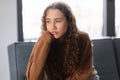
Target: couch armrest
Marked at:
18, 54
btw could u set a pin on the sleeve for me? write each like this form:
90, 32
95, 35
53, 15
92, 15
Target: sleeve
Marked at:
38, 57
84, 70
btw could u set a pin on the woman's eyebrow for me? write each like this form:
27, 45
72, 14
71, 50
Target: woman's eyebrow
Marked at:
59, 18
55, 18
47, 19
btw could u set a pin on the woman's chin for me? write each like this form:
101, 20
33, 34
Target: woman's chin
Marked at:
56, 37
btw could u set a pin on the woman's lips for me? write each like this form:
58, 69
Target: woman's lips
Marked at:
53, 32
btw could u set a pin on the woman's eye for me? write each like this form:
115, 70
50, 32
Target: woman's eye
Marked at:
58, 21
47, 21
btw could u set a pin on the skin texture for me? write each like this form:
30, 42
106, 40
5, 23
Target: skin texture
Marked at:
56, 23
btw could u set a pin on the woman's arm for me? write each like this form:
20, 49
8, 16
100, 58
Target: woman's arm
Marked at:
84, 70
38, 57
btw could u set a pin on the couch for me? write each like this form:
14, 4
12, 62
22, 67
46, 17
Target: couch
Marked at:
18, 57
106, 58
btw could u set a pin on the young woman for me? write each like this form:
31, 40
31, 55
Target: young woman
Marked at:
62, 52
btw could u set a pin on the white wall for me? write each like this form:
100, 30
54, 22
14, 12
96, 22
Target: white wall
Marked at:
8, 33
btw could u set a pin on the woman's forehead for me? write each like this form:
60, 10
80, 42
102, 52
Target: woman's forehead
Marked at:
54, 13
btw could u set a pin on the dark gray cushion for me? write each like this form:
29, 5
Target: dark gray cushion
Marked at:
116, 42
18, 57
104, 59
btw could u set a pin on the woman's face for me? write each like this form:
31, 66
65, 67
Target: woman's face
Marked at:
56, 23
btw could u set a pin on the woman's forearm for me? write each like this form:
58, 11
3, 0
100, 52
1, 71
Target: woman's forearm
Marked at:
38, 57
38, 63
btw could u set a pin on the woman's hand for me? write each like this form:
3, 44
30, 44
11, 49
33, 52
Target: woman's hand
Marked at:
47, 37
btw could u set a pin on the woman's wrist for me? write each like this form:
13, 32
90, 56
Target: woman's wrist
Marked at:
47, 37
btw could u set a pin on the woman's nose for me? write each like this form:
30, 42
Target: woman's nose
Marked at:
53, 25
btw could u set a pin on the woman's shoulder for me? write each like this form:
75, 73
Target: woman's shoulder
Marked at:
83, 35
83, 39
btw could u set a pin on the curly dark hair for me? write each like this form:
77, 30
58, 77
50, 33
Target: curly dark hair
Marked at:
71, 39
